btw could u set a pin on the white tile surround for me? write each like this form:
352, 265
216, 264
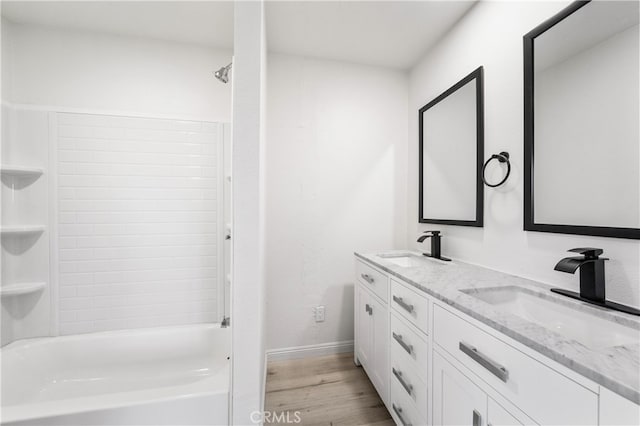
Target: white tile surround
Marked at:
137, 222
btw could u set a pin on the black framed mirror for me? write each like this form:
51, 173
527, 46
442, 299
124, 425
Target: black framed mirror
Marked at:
581, 125
451, 151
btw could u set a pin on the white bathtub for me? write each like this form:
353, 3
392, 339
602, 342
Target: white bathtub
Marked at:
159, 376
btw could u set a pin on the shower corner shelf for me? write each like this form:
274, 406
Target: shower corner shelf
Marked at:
22, 230
21, 288
20, 171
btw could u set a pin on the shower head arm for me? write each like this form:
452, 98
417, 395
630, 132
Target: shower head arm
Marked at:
223, 73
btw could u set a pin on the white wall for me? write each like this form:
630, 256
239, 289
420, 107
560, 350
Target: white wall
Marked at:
138, 222
336, 180
248, 283
491, 35
94, 71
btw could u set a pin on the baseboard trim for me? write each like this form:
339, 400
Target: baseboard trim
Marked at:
308, 351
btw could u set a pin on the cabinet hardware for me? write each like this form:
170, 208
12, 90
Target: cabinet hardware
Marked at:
405, 385
477, 418
367, 307
367, 278
398, 338
403, 304
494, 368
398, 412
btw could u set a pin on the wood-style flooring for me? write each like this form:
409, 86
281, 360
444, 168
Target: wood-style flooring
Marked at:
328, 390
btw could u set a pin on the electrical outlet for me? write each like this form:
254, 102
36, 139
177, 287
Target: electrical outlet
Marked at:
319, 313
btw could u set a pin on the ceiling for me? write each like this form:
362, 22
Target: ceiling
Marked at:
384, 33
392, 34
208, 23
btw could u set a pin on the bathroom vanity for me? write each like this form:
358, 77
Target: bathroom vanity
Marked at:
448, 343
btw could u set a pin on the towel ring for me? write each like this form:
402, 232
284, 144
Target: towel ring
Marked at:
503, 157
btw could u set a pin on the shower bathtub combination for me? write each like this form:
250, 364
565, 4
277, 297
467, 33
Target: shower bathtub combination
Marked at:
113, 295
158, 376
115, 216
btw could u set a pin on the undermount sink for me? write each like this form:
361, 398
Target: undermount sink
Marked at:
409, 260
589, 329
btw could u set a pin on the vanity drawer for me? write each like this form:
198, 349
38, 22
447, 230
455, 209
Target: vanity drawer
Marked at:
411, 346
373, 279
403, 371
545, 395
403, 409
410, 304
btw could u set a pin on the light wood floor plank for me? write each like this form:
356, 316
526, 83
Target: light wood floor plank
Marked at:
328, 390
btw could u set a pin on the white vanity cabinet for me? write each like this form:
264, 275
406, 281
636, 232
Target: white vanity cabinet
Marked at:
457, 400
409, 356
372, 327
435, 365
616, 410
497, 415
362, 346
542, 392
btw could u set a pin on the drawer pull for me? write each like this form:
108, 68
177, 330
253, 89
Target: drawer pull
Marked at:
494, 368
477, 418
407, 307
367, 278
408, 348
405, 385
398, 412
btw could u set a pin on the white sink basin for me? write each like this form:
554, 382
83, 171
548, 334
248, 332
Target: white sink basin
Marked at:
410, 260
589, 329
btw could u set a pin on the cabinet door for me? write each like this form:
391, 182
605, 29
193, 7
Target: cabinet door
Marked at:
380, 347
499, 416
616, 410
456, 399
356, 324
363, 323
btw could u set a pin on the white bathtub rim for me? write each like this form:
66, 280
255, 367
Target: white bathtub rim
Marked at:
37, 341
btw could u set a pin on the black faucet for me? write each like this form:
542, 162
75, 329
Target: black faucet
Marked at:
436, 241
592, 287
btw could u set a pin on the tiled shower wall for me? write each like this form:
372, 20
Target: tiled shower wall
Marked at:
139, 216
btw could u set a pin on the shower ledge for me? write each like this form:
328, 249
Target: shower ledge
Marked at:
20, 171
22, 230
21, 288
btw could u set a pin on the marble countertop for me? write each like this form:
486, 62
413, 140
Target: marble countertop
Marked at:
616, 368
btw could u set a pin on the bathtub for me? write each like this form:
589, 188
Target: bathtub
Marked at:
159, 376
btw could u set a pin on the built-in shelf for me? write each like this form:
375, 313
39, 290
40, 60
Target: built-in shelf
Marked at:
20, 171
21, 288
22, 230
